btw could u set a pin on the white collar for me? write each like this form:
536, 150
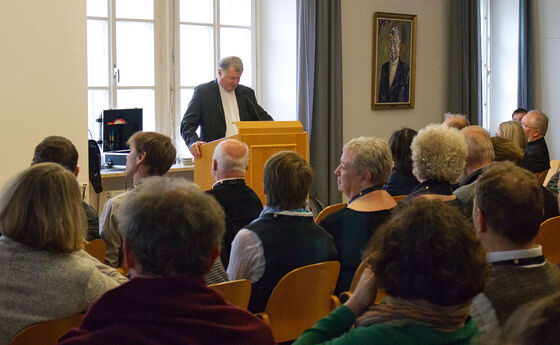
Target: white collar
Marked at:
514, 254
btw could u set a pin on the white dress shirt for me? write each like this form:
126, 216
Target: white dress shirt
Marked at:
231, 110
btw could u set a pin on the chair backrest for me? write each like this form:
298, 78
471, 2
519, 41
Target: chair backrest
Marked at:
300, 299
541, 176
380, 292
328, 210
236, 292
549, 238
96, 248
398, 198
47, 332
554, 166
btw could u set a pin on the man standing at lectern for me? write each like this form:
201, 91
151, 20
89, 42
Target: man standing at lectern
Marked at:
215, 105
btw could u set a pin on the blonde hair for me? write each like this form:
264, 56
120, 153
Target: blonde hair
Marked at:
438, 153
513, 131
41, 208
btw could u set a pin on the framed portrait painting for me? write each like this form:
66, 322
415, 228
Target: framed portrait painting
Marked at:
394, 66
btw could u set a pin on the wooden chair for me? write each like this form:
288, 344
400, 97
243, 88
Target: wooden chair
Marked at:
554, 166
47, 332
300, 299
549, 238
237, 292
345, 295
541, 176
399, 198
96, 248
328, 210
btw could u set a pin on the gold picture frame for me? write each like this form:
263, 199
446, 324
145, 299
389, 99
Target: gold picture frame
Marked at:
394, 60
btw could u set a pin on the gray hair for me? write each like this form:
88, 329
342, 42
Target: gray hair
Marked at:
373, 155
479, 145
171, 226
395, 31
513, 131
540, 121
230, 61
229, 164
438, 153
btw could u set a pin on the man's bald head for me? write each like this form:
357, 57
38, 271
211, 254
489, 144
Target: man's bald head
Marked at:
230, 160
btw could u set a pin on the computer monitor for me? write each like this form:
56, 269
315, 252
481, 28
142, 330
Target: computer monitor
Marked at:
118, 126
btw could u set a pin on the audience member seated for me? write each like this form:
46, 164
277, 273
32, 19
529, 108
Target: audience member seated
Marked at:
428, 260
458, 121
513, 131
284, 237
506, 150
535, 125
401, 181
507, 214
518, 114
480, 154
438, 159
535, 323
61, 150
364, 167
45, 273
172, 233
151, 154
240, 203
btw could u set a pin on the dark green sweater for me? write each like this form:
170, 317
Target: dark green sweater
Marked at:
335, 329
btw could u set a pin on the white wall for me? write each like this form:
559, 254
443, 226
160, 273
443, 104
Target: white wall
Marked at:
276, 58
42, 79
547, 68
504, 51
431, 67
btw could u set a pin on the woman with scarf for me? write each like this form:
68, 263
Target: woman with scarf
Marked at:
430, 264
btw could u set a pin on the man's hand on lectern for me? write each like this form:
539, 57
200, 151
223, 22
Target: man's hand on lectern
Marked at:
194, 148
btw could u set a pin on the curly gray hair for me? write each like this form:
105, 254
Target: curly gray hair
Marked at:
438, 153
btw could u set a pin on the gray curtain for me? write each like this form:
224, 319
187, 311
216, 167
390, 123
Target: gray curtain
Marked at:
319, 91
525, 84
465, 88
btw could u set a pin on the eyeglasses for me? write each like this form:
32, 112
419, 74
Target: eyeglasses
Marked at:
527, 126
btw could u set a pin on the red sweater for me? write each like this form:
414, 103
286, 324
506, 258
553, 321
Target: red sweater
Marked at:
168, 310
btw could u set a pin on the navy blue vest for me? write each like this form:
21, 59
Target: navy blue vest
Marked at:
288, 242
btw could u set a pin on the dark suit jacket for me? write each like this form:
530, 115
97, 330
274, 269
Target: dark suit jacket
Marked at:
536, 158
398, 91
241, 206
206, 110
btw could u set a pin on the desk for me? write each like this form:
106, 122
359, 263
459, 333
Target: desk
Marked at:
114, 183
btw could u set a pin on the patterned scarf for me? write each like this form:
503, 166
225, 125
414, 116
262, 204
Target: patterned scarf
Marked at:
399, 312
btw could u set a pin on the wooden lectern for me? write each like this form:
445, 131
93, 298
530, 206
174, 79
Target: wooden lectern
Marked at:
264, 139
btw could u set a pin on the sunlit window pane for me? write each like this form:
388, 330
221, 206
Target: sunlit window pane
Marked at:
235, 12
97, 53
237, 42
197, 55
141, 98
182, 150
196, 11
98, 100
135, 53
134, 9
96, 8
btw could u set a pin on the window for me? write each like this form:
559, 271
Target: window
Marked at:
151, 55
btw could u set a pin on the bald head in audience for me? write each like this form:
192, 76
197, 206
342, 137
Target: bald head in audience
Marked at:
230, 160
535, 125
458, 121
